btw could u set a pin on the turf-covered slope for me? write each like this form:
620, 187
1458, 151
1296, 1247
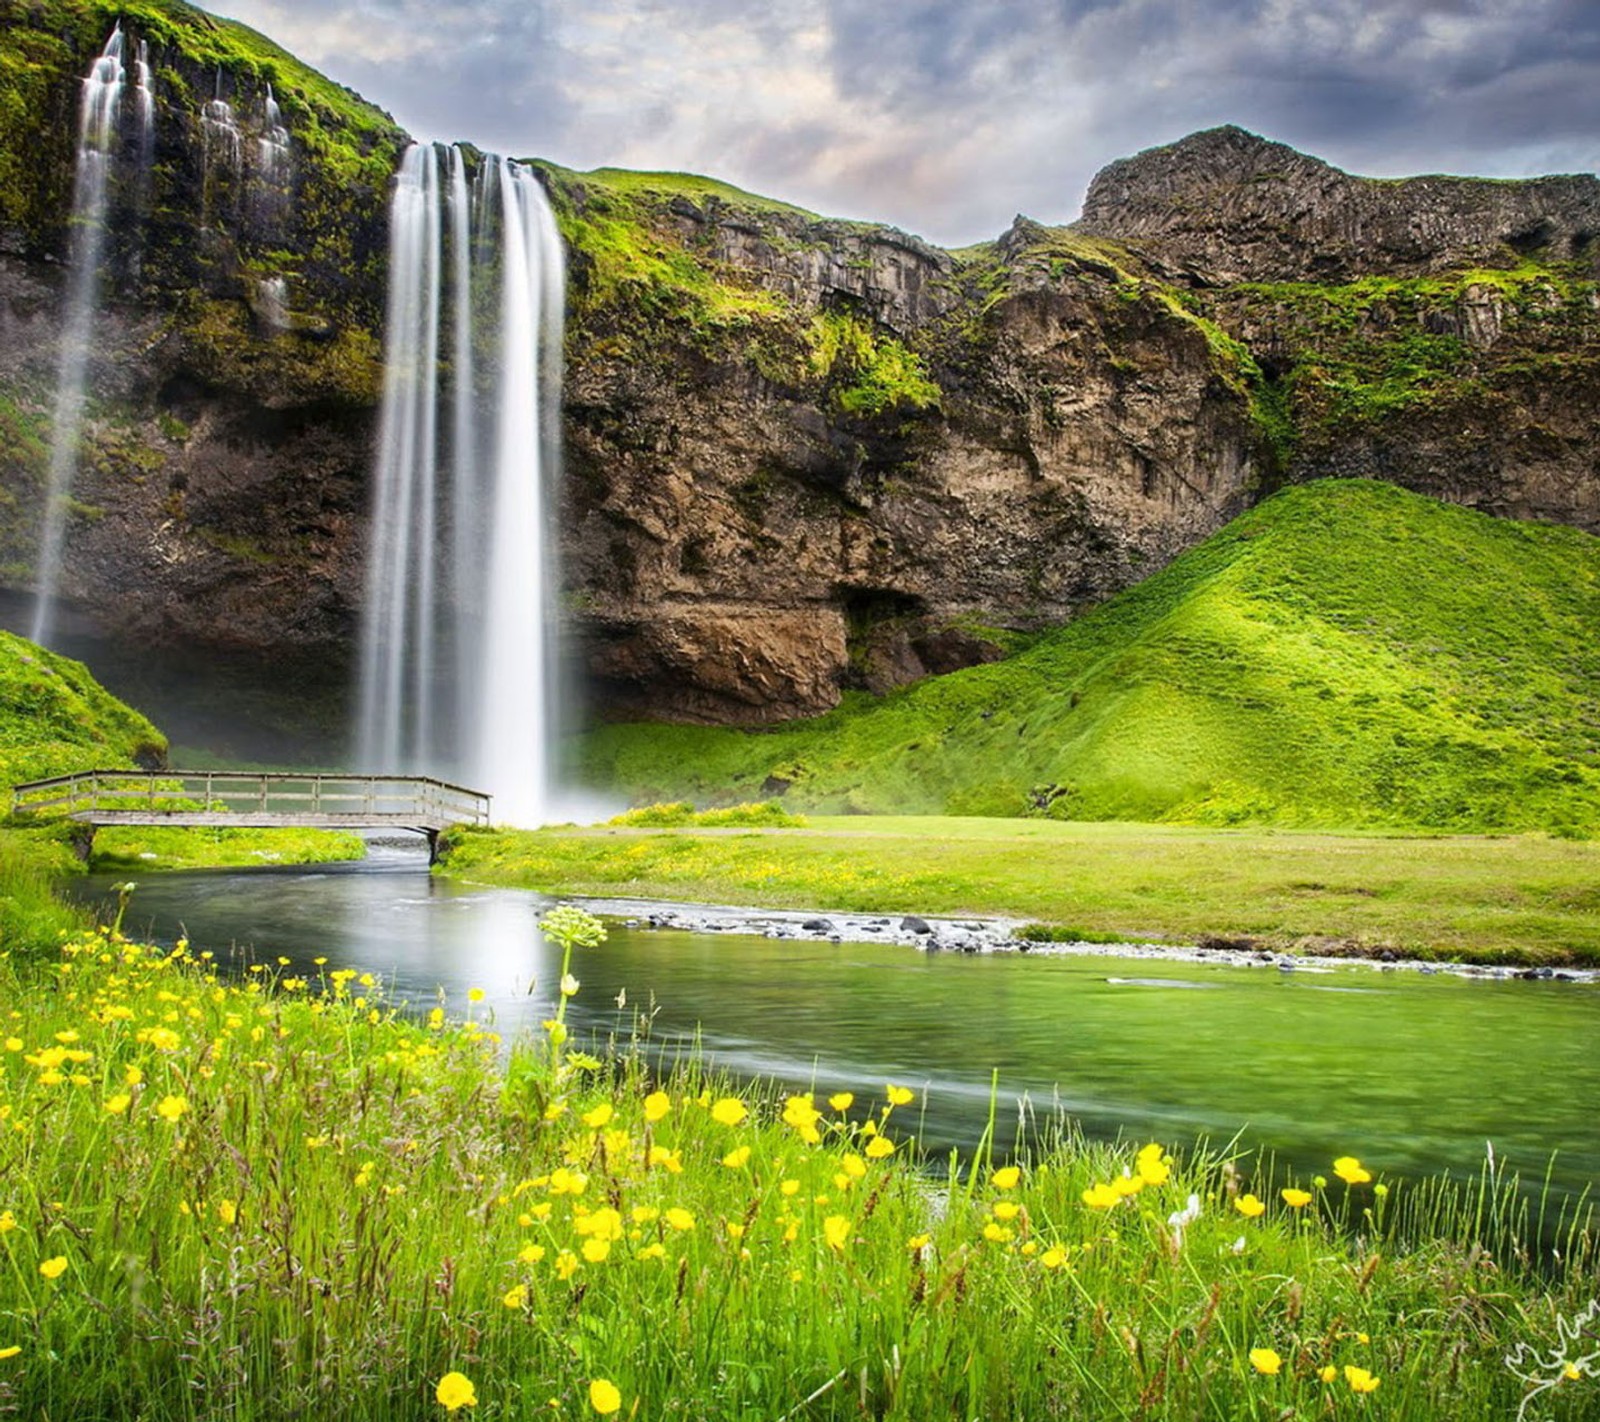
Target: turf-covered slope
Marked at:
55, 718
1346, 654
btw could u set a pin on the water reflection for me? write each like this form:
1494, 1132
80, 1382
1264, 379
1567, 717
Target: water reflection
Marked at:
1414, 1073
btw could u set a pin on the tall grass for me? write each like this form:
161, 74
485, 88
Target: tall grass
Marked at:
262, 1199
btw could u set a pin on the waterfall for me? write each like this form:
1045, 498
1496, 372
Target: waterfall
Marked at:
458, 632
98, 105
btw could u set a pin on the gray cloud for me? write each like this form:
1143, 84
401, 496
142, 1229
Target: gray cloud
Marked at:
945, 116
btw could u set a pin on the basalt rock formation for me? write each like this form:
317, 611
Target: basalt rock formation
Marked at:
802, 455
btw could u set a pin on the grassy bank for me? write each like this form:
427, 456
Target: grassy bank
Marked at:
1345, 655
265, 1200
1515, 899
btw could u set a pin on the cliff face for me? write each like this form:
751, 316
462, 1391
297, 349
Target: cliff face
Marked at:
802, 455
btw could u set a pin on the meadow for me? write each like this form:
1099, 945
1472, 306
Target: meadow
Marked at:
1480, 898
265, 1196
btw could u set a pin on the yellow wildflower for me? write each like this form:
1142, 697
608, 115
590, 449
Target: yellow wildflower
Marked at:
531, 1253
595, 1250
842, 1100
10, 1352
679, 1218
1265, 1360
1006, 1209
1327, 1372
1054, 1258
853, 1166
566, 1264
1151, 1165
736, 1158
729, 1111
1006, 1178
789, 1187
1101, 1197
1249, 1206
8, 1221
1351, 1171
598, 1117
878, 1147
836, 1230
227, 1212
997, 1233
54, 1268
900, 1095
516, 1297
1360, 1379
604, 1397
455, 1391
171, 1108
116, 1105
656, 1105
1295, 1199
919, 1241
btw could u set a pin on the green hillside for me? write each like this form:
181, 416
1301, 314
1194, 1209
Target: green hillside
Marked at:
55, 718
1346, 654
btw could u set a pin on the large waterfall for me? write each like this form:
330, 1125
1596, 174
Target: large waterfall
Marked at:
100, 138
458, 646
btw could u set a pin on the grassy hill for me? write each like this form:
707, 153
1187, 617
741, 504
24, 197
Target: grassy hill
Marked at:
56, 718
1346, 654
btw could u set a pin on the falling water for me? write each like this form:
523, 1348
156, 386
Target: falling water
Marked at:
272, 303
97, 135
272, 147
457, 638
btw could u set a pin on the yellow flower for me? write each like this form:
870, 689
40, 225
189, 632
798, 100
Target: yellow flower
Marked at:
997, 1233
133, 1076
789, 1187
1249, 1206
595, 1250
531, 1253
900, 1095
1006, 1177
8, 1221
853, 1166
568, 1182
919, 1241
656, 1250
10, 1352
836, 1230
669, 1160
656, 1105
878, 1147
1101, 1197
227, 1211
1327, 1373
54, 1268
116, 1105
729, 1111
1054, 1258
604, 1397
1295, 1199
474, 994
171, 1108
1151, 1165
1571, 1373
14, 1044
455, 1391
1264, 1360
679, 1218
598, 1117
566, 1264
1352, 1172
516, 1297
643, 1214
842, 1100
734, 1159
1360, 1379
1006, 1209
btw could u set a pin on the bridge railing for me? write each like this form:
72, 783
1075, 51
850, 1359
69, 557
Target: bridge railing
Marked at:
385, 798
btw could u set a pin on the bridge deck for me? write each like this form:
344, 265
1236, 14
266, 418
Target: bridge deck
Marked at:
251, 800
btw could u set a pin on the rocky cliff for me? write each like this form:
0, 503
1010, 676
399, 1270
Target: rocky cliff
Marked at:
803, 455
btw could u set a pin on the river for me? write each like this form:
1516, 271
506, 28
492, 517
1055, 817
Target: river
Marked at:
1411, 1073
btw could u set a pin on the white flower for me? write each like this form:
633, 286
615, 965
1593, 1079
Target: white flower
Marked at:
569, 986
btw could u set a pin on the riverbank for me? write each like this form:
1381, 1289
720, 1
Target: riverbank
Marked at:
1527, 901
541, 1235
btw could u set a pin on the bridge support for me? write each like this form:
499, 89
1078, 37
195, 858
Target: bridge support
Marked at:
433, 846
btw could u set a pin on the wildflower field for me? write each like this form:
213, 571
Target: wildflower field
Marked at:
273, 1196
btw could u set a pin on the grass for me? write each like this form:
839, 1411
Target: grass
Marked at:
154, 848
258, 1199
1528, 899
1345, 655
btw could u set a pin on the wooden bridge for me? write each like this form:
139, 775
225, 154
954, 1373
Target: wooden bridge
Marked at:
236, 799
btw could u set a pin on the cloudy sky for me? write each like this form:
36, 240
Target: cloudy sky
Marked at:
946, 117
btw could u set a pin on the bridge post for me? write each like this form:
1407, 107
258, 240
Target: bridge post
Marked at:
433, 846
